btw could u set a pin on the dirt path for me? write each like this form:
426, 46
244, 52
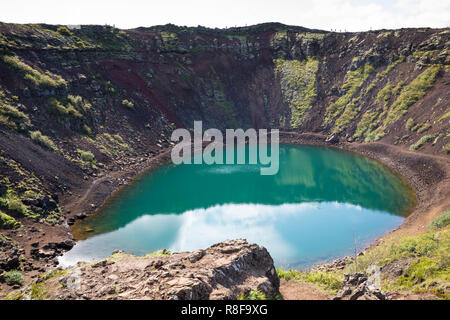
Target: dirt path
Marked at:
298, 290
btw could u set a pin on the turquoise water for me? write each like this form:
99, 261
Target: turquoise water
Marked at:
311, 211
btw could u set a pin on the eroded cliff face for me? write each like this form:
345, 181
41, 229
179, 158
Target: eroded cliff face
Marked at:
78, 104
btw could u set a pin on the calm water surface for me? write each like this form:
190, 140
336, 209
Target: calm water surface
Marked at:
309, 212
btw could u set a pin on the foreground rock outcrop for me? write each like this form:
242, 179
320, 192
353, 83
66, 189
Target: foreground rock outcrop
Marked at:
358, 286
223, 271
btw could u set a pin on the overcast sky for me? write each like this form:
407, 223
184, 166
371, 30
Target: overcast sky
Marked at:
350, 15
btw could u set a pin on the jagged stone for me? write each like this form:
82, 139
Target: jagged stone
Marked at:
222, 271
357, 287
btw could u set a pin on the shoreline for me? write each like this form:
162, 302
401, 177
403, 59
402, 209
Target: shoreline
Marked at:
428, 176
406, 164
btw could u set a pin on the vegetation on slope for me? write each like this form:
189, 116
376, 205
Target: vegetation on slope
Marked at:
46, 80
8, 222
414, 264
298, 86
346, 107
329, 281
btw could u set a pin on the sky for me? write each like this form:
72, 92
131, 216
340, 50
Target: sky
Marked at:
344, 15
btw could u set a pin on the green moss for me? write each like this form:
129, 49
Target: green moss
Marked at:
43, 140
421, 142
353, 81
441, 221
297, 81
8, 222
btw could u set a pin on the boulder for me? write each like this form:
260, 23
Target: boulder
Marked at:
222, 271
357, 287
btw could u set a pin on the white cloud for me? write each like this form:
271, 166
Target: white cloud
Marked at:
351, 15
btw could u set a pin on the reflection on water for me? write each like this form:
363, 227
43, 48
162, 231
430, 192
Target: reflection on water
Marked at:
295, 234
305, 213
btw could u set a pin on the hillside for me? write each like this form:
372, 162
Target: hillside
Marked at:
85, 109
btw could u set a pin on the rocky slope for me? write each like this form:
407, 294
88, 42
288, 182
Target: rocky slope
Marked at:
225, 270
94, 105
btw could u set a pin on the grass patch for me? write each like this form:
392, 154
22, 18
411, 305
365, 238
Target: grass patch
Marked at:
421, 142
13, 203
13, 277
12, 112
446, 148
128, 104
328, 280
411, 93
8, 222
79, 102
353, 81
159, 253
409, 124
366, 124
58, 108
444, 116
385, 93
64, 31
390, 67
46, 80
426, 257
112, 145
297, 81
42, 140
86, 156
38, 292
440, 221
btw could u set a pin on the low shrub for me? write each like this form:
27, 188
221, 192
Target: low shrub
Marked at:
44, 141
46, 80
409, 124
15, 204
86, 155
128, 104
421, 142
8, 222
13, 277
440, 221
